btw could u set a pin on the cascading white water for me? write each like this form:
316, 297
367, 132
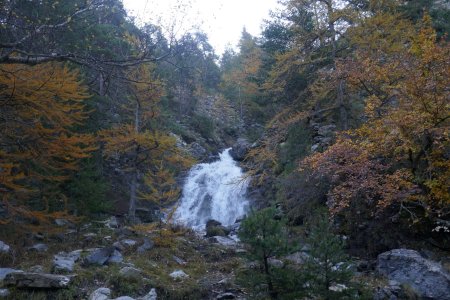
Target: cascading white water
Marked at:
213, 191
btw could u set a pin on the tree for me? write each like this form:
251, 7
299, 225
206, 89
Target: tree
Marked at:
35, 32
393, 166
41, 107
265, 234
162, 190
327, 272
139, 146
243, 77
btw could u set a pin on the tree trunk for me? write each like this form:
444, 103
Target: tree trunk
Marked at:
135, 172
133, 197
101, 83
343, 115
272, 292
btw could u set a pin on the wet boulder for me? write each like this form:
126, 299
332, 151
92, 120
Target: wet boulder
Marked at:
240, 149
215, 228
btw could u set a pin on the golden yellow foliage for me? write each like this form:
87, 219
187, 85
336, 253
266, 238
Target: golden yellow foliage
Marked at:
40, 108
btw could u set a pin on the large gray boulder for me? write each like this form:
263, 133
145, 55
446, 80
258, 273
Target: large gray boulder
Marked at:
37, 280
240, 149
428, 279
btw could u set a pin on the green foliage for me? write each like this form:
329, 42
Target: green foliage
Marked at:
327, 268
292, 150
88, 189
203, 125
266, 235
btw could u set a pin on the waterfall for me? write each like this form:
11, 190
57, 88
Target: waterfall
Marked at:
213, 191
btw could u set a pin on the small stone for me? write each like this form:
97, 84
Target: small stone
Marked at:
179, 261
298, 258
338, 288
151, 295
146, 246
4, 248
4, 293
100, 256
62, 222
39, 248
124, 298
224, 241
225, 296
118, 245
178, 274
36, 269
64, 262
39, 236
130, 272
112, 223
100, 294
115, 258
128, 242
276, 263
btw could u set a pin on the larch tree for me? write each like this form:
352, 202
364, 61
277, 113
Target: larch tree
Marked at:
136, 141
41, 107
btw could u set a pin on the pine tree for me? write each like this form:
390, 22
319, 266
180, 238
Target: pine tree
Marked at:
327, 271
266, 235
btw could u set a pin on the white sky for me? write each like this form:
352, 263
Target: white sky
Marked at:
222, 20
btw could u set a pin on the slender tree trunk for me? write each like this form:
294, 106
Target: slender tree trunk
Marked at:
240, 103
135, 172
133, 193
101, 85
343, 114
272, 292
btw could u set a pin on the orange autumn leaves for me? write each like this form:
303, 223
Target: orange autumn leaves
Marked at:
400, 154
40, 107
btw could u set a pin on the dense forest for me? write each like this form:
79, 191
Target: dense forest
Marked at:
341, 110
